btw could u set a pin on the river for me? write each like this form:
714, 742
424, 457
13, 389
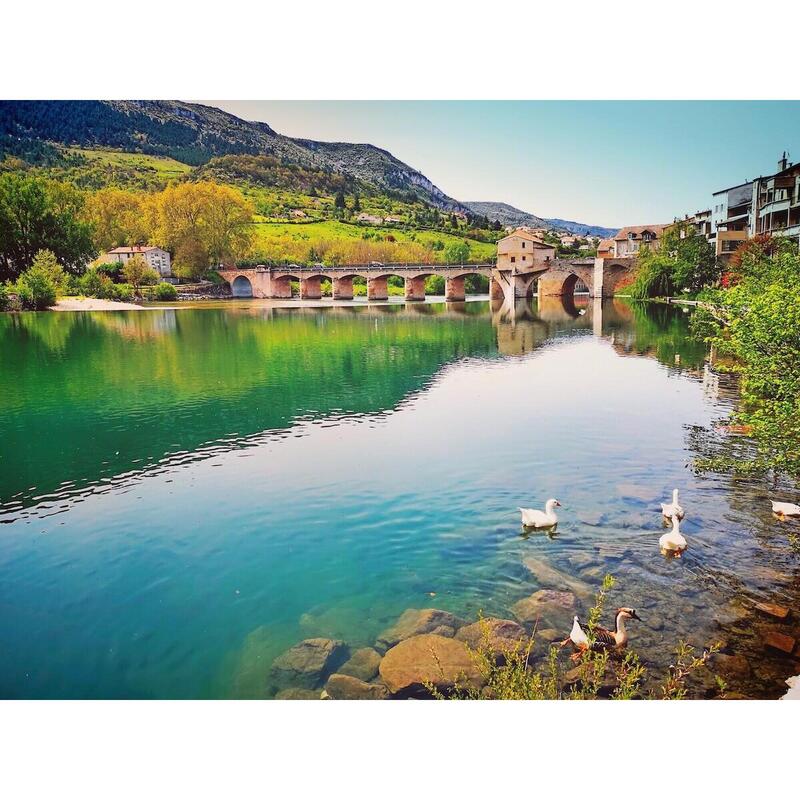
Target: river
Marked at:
186, 493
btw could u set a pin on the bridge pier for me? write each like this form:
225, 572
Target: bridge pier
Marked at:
378, 288
415, 288
310, 288
343, 288
496, 290
281, 288
454, 289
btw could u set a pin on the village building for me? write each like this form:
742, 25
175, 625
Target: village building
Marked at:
731, 221
521, 250
776, 202
298, 213
155, 257
393, 220
370, 218
629, 241
605, 248
568, 240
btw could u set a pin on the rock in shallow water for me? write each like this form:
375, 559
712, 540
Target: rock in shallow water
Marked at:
415, 621
346, 687
363, 664
428, 659
295, 693
547, 606
308, 663
495, 637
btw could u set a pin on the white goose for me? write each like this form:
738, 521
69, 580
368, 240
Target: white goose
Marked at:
533, 518
673, 542
673, 509
785, 509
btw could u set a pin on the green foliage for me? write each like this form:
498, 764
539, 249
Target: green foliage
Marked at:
38, 214
139, 273
39, 286
457, 253
166, 291
5, 300
756, 323
683, 262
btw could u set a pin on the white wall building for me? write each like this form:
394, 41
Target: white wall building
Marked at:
155, 257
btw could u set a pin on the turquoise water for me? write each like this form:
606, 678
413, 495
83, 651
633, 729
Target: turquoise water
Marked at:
187, 493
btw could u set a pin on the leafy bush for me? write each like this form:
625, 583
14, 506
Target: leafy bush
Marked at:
683, 261
5, 301
113, 270
165, 291
41, 284
123, 291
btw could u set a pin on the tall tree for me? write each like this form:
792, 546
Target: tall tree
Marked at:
118, 218
38, 214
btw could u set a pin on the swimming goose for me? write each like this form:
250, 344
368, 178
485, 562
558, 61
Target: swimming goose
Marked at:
785, 509
533, 518
603, 638
673, 542
672, 509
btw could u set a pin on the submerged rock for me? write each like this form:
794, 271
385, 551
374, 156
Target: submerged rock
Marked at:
346, 687
363, 664
308, 663
555, 578
295, 693
415, 621
429, 659
780, 612
494, 637
737, 666
548, 607
781, 642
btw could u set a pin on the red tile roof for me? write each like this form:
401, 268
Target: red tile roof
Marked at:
639, 230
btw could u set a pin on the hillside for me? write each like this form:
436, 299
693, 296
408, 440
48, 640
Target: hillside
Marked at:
508, 215
193, 134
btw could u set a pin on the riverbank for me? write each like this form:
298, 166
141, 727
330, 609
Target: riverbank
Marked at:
93, 304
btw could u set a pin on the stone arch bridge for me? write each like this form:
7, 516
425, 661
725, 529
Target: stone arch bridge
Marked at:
601, 276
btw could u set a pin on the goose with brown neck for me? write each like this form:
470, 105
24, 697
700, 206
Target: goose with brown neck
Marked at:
604, 639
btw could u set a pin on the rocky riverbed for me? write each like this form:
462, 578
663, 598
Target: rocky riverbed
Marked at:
432, 647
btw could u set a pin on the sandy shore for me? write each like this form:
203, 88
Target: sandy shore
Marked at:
92, 304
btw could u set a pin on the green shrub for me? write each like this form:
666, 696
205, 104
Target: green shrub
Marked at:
113, 270
166, 291
123, 291
5, 301
41, 284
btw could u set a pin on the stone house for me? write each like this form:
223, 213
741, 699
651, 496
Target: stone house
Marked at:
630, 240
521, 250
155, 257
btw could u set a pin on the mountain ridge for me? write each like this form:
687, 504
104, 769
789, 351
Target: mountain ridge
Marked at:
507, 214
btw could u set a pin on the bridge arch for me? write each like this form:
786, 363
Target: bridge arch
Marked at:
241, 286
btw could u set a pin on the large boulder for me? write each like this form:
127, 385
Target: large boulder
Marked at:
494, 637
415, 621
346, 687
444, 663
547, 608
363, 664
307, 664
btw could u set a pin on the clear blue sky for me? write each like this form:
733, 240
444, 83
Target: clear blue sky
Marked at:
604, 163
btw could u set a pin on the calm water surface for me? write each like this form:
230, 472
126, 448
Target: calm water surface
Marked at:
187, 493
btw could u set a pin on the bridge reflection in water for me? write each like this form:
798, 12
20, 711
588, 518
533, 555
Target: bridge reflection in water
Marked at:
524, 325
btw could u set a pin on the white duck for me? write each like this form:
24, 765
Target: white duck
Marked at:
533, 518
785, 509
673, 542
673, 509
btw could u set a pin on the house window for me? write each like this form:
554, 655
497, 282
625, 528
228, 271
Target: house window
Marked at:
513, 259
523, 245
524, 258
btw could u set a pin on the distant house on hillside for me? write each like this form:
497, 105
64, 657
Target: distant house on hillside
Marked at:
568, 241
155, 257
298, 212
521, 250
370, 218
393, 220
630, 240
